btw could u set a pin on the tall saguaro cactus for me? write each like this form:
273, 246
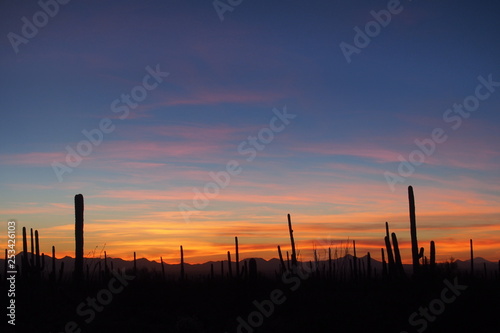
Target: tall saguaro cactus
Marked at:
237, 258
294, 254
413, 232
78, 273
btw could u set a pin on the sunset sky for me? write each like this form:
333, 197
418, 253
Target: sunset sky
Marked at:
173, 97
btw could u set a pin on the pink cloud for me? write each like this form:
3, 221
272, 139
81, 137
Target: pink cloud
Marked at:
351, 149
212, 97
32, 159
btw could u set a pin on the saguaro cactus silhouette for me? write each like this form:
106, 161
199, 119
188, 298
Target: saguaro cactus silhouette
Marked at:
229, 265
388, 247
40, 263
25, 261
384, 264
413, 232
397, 256
78, 273
162, 269
53, 272
433, 256
294, 254
32, 257
135, 264
237, 258
182, 263
283, 267
37, 251
471, 259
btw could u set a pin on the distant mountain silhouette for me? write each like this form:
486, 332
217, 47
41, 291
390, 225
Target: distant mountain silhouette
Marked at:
266, 267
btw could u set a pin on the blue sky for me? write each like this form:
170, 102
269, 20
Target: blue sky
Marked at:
225, 78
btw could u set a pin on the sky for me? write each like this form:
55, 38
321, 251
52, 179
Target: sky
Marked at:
192, 122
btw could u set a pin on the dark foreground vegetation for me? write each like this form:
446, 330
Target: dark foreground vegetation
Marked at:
342, 293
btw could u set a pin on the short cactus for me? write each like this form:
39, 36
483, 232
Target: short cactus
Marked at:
229, 264
182, 264
384, 263
388, 247
25, 261
283, 267
397, 256
433, 256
